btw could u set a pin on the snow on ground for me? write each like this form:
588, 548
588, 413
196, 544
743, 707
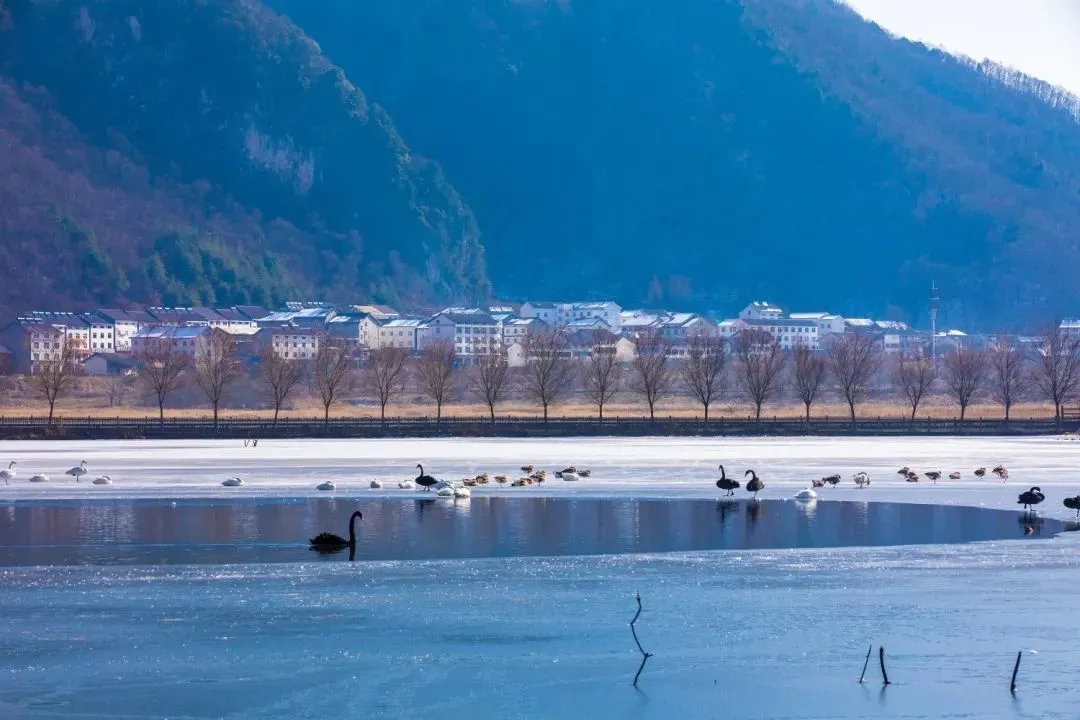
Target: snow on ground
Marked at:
645, 467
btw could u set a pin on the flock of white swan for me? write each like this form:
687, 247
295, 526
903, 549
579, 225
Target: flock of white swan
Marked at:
11, 472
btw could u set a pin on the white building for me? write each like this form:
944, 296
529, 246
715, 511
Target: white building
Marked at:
517, 329
125, 324
788, 332
398, 332
761, 310
826, 322
291, 341
474, 334
75, 327
559, 315
102, 333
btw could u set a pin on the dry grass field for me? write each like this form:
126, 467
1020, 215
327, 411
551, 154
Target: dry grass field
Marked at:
90, 399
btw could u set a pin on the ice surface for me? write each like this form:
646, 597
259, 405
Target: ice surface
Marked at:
739, 634
641, 467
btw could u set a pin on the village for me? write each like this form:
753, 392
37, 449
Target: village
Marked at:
106, 341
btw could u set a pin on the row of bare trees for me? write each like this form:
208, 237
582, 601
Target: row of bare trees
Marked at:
850, 365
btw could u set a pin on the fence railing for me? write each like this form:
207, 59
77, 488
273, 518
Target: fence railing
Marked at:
187, 428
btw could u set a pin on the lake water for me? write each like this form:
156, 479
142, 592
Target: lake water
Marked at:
222, 531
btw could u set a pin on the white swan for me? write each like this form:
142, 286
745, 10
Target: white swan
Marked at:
806, 494
103, 480
9, 472
861, 479
570, 476
462, 492
445, 491
40, 477
328, 485
78, 471
406, 485
376, 484
233, 482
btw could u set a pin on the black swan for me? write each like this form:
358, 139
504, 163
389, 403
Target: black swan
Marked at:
933, 475
330, 541
980, 472
832, 480
1031, 498
1073, 503
755, 485
424, 481
725, 483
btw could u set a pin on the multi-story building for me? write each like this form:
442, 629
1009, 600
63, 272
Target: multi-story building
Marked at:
102, 333
29, 341
392, 332
681, 327
789, 333
76, 330
125, 323
637, 323
291, 341
559, 315
474, 334
517, 330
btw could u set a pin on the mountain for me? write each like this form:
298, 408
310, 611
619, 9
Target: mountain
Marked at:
707, 152
205, 151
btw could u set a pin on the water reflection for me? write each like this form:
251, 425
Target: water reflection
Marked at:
229, 531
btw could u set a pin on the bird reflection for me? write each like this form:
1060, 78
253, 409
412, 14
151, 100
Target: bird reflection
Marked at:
754, 511
324, 551
1031, 524
724, 507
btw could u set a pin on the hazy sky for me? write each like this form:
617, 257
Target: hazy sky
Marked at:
1038, 37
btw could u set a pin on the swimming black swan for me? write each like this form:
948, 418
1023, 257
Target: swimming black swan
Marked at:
424, 481
1031, 498
725, 483
330, 541
1073, 503
755, 485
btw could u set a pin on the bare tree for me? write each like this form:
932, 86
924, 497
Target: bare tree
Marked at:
435, 371
332, 374
117, 390
652, 374
281, 374
163, 368
1057, 367
549, 371
853, 359
964, 372
913, 376
601, 373
808, 375
387, 372
216, 366
489, 379
703, 370
759, 366
54, 372
1009, 380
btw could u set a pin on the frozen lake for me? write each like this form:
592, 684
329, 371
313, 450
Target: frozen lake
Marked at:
746, 633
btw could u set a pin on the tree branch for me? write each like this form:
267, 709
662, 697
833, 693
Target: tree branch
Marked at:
644, 655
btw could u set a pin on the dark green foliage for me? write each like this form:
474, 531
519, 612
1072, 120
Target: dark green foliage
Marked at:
100, 278
186, 268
